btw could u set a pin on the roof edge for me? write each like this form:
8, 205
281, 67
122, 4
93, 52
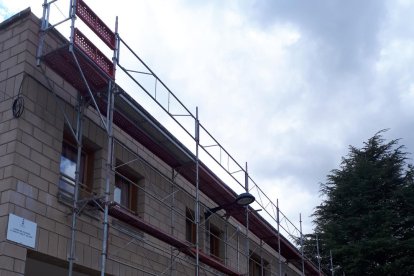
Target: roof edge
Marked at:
20, 15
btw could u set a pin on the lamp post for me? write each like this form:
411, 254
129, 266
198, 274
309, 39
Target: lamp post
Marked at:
242, 200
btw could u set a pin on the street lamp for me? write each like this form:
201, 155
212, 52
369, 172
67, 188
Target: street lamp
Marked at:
241, 200
245, 199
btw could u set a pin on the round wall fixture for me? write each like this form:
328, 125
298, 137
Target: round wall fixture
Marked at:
18, 106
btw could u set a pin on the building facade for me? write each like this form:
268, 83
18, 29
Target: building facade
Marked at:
92, 183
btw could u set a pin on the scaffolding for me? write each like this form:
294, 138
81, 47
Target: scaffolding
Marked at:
248, 241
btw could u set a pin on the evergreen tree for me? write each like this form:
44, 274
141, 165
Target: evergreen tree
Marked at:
367, 214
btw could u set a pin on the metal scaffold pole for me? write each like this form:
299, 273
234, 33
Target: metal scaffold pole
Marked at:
172, 220
246, 187
109, 159
72, 25
238, 248
301, 245
226, 240
79, 127
42, 32
197, 207
318, 256
109, 166
262, 272
278, 237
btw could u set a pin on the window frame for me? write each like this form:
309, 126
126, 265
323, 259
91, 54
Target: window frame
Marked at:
130, 179
215, 242
66, 184
257, 262
130, 201
190, 226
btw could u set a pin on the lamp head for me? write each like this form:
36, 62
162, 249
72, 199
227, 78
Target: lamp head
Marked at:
245, 199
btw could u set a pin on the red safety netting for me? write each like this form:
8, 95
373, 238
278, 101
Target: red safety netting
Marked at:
95, 23
94, 53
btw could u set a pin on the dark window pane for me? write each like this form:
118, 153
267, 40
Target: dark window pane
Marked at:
215, 241
190, 226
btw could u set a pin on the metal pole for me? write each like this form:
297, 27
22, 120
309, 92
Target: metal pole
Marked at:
278, 237
238, 248
72, 25
109, 166
110, 148
172, 220
42, 32
79, 126
115, 57
226, 240
45, 11
197, 207
261, 259
246, 186
301, 245
318, 256
247, 240
331, 260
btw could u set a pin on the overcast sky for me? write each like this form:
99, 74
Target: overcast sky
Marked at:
286, 86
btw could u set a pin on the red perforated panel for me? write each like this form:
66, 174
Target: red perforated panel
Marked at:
93, 53
95, 23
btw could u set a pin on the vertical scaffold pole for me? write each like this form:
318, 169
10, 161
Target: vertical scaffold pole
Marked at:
109, 166
79, 127
278, 236
238, 248
110, 149
197, 203
226, 240
318, 256
72, 24
301, 245
172, 220
115, 57
262, 272
43, 27
246, 187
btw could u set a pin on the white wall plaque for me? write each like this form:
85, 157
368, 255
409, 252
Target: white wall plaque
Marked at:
21, 230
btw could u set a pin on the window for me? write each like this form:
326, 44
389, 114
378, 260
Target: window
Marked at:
126, 187
121, 192
68, 160
256, 264
190, 226
215, 242
126, 192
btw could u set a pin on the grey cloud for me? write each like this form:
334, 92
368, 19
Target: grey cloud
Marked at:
346, 31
